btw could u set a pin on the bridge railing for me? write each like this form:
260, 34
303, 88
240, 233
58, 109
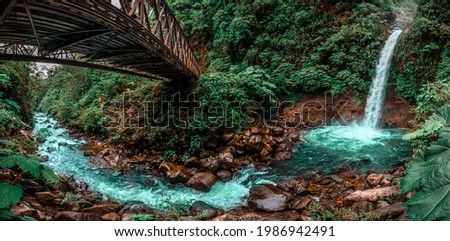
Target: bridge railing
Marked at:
156, 16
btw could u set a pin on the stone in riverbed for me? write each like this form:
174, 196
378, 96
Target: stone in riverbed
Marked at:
301, 204
202, 181
192, 162
389, 212
268, 198
111, 217
47, 198
224, 175
75, 216
363, 206
204, 211
374, 179
174, 173
103, 208
225, 157
373, 195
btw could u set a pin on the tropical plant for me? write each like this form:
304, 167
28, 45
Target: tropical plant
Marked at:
429, 176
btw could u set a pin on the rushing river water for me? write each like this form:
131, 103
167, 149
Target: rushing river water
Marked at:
323, 150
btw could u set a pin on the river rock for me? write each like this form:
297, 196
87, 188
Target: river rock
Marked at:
174, 173
210, 163
225, 158
224, 175
47, 198
26, 211
373, 195
301, 204
110, 217
268, 198
103, 208
204, 211
389, 212
363, 206
31, 186
75, 216
374, 179
255, 143
202, 181
135, 207
192, 162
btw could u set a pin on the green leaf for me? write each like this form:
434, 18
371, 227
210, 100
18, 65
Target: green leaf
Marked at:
49, 175
30, 164
6, 214
9, 161
9, 194
8, 143
438, 151
444, 133
430, 204
6, 152
13, 104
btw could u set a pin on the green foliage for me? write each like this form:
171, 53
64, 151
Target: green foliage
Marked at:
429, 175
319, 213
142, 217
423, 55
10, 194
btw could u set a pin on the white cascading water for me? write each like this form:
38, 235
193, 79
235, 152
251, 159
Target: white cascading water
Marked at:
375, 99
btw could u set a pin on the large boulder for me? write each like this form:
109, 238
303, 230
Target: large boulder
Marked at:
202, 181
268, 198
204, 211
389, 212
375, 179
174, 173
373, 195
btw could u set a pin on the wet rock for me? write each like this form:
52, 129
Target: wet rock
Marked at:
135, 207
300, 190
7, 174
389, 212
374, 179
382, 204
191, 171
294, 136
282, 156
110, 217
363, 206
225, 158
204, 211
268, 198
75, 216
47, 198
277, 131
174, 173
31, 186
192, 162
373, 195
210, 163
281, 216
228, 136
202, 181
25, 211
255, 143
224, 175
301, 204
103, 208
262, 167
264, 152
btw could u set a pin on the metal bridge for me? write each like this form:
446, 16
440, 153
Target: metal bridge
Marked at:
139, 37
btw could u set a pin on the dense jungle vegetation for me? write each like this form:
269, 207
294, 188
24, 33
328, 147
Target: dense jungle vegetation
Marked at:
253, 51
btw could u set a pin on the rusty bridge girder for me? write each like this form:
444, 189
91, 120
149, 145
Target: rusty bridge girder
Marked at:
139, 37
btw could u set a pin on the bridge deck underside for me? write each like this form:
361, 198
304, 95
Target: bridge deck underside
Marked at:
92, 34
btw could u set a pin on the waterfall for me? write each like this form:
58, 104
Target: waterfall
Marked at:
374, 105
